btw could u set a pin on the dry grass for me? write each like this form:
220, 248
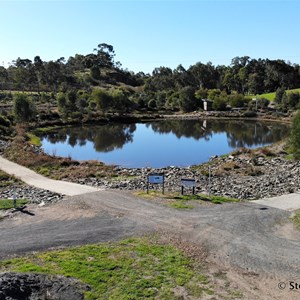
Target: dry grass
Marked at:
23, 153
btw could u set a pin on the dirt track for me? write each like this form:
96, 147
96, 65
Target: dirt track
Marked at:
244, 235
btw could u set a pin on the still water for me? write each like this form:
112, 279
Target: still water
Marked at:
160, 143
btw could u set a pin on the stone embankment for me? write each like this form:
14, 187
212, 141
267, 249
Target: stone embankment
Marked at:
232, 176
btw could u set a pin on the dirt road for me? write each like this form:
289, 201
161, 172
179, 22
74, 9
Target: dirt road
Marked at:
243, 235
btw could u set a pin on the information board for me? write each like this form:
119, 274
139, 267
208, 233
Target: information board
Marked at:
188, 182
156, 178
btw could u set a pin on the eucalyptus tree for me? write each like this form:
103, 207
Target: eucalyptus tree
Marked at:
22, 73
204, 75
4, 78
54, 73
105, 55
39, 70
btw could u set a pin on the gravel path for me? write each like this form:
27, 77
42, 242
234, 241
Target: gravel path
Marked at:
288, 202
243, 235
39, 181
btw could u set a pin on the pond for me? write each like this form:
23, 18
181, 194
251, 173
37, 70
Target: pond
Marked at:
160, 143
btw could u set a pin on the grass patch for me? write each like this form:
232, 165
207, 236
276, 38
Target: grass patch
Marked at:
123, 177
180, 205
152, 194
8, 203
296, 219
34, 140
271, 96
175, 200
130, 269
45, 129
202, 197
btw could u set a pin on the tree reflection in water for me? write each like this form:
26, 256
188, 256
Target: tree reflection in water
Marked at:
224, 135
105, 138
239, 133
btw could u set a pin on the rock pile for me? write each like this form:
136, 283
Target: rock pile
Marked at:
34, 195
15, 286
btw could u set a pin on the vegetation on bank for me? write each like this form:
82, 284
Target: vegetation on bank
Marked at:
131, 269
7, 180
22, 152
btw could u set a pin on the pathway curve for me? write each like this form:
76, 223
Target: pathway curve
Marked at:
39, 181
288, 202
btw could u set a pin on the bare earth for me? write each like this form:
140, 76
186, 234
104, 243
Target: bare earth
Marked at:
256, 246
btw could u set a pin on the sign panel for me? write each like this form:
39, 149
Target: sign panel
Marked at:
156, 179
188, 182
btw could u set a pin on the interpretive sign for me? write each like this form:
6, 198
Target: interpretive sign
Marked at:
188, 183
156, 179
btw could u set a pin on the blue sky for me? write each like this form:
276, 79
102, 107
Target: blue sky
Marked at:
149, 34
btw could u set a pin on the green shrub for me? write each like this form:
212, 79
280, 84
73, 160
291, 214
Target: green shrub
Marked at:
23, 108
219, 104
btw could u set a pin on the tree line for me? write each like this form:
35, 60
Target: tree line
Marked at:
243, 76
95, 82
78, 72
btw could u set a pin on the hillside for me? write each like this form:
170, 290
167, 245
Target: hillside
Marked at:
271, 96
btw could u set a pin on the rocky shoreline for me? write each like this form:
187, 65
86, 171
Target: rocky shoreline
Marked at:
231, 176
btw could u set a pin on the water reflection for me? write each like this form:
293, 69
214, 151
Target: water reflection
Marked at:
239, 133
161, 143
105, 138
